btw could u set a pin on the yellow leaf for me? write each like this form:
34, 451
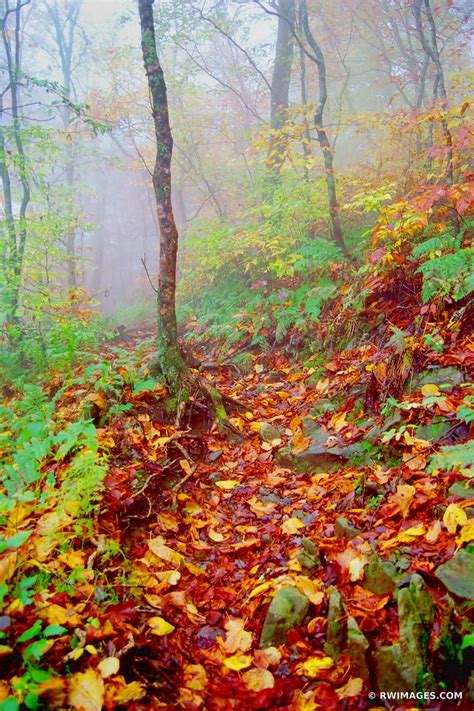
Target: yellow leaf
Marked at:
310, 589
403, 497
312, 666
292, 525
227, 484
433, 532
74, 559
108, 667
237, 639
430, 390
238, 662
352, 688
260, 589
405, 537
466, 534
5, 650
86, 691
453, 517
159, 626
215, 536
258, 679
185, 466
161, 550
195, 677
132, 692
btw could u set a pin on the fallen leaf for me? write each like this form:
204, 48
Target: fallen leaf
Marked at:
312, 666
215, 536
237, 639
108, 667
161, 550
292, 525
258, 679
238, 662
430, 390
86, 691
310, 589
227, 484
433, 532
268, 657
352, 688
453, 517
160, 627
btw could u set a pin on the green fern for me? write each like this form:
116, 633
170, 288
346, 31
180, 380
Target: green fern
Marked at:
456, 456
449, 275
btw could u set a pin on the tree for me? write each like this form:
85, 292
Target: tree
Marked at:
429, 42
281, 78
15, 225
169, 360
327, 151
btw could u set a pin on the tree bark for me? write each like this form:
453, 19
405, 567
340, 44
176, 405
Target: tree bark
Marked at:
169, 361
324, 142
430, 46
280, 87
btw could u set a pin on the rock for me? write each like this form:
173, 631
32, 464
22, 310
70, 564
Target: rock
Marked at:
463, 489
309, 556
380, 577
214, 456
357, 645
269, 433
287, 610
345, 529
415, 612
337, 625
434, 431
389, 669
457, 574
450, 376
325, 449
401, 666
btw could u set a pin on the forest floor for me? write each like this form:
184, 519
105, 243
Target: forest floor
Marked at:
160, 600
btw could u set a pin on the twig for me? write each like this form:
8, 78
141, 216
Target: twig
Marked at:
148, 275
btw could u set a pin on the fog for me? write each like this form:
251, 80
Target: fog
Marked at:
219, 61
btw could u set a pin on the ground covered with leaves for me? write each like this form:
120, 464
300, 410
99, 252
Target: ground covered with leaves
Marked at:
328, 499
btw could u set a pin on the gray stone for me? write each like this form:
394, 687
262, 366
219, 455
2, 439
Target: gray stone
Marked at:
357, 646
336, 634
390, 669
269, 433
287, 610
401, 666
380, 577
320, 453
457, 574
449, 376
434, 431
345, 529
462, 489
309, 556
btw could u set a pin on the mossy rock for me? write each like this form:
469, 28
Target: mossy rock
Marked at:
286, 611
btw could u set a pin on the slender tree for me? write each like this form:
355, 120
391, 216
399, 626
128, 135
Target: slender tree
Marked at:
169, 361
429, 42
16, 230
281, 78
327, 151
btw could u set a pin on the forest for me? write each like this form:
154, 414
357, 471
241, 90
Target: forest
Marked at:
236, 355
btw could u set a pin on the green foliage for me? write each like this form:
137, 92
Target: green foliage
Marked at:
457, 456
449, 268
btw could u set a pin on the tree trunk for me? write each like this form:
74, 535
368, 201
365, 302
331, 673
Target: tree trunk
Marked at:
281, 82
326, 148
430, 46
169, 361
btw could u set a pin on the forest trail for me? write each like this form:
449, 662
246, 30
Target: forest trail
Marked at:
212, 526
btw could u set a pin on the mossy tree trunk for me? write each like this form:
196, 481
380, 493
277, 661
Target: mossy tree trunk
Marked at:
169, 360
